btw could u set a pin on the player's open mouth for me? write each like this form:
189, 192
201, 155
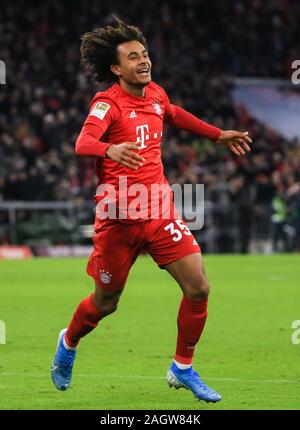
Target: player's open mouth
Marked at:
144, 72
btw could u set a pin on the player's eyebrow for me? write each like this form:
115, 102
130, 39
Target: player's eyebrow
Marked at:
136, 53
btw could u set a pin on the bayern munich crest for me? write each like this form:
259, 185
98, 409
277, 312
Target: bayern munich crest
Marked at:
105, 276
157, 107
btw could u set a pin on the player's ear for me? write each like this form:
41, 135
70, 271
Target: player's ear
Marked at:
115, 69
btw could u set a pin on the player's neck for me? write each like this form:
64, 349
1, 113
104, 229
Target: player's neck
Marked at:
135, 90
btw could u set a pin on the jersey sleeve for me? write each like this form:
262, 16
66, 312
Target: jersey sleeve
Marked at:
102, 114
180, 118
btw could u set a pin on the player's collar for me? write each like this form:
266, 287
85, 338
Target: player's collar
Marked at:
132, 96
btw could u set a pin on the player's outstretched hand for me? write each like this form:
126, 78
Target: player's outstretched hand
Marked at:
237, 141
124, 154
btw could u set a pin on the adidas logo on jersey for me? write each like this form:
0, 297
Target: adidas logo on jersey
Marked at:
133, 114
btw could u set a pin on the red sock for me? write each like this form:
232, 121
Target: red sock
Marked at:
191, 320
85, 319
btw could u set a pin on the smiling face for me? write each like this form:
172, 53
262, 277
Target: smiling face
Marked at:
134, 68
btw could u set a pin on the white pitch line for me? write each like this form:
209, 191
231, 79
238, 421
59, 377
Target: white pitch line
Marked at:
97, 375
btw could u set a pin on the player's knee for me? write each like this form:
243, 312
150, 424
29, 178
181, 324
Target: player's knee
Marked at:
106, 304
108, 308
197, 289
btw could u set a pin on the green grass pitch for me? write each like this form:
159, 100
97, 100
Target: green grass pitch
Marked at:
246, 351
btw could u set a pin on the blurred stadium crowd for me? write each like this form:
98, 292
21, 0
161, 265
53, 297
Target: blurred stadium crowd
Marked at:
196, 47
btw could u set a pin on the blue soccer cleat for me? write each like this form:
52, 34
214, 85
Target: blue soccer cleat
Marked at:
190, 380
62, 366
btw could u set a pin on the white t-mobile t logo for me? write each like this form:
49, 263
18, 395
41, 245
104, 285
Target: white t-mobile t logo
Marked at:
142, 133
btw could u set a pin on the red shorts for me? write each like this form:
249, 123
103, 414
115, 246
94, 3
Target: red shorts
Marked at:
118, 244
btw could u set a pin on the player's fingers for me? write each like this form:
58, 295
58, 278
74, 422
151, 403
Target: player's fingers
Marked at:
233, 149
244, 145
130, 159
247, 147
248, 139
132, 145
130, 166
136, 156
242, 134
239, 148
245, 139
133, 155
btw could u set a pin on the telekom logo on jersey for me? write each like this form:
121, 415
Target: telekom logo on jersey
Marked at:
138, 201
142, 135
141, 131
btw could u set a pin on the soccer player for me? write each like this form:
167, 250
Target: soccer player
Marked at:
123, 130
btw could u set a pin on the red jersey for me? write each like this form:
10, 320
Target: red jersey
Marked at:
116, 117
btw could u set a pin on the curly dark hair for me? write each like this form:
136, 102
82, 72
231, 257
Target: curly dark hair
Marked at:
99, 48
